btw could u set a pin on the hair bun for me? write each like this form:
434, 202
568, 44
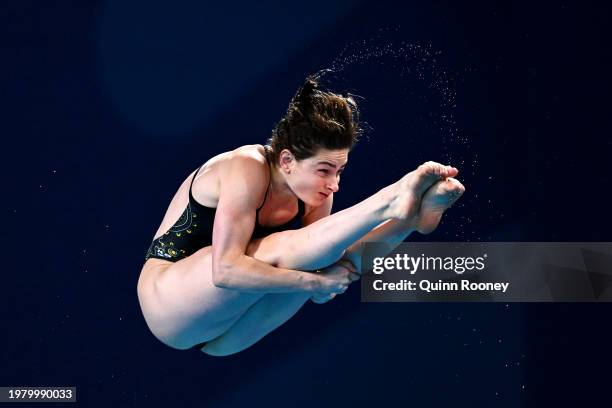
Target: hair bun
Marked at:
315, 119
304, 94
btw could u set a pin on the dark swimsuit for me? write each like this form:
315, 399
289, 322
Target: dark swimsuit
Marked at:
193, 230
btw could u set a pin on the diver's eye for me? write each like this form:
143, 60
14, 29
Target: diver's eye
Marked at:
324, 171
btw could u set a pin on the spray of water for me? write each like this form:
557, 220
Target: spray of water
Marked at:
392, 72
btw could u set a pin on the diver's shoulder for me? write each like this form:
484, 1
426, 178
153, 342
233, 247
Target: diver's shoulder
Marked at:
244, 164
254, 152
247, 154
249, 159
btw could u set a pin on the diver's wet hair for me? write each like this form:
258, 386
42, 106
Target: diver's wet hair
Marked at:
315, 119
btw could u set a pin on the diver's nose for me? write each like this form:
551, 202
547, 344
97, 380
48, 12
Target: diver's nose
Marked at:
333, 186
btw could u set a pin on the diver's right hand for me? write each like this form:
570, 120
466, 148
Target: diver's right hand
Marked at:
336, 278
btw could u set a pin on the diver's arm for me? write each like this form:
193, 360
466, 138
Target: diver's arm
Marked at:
242, 187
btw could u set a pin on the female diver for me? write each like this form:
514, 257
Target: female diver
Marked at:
248, 237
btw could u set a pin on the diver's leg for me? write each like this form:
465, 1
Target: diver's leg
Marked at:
273, 310
436, 200
439, 198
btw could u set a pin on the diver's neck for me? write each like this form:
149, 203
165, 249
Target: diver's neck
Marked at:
279, 186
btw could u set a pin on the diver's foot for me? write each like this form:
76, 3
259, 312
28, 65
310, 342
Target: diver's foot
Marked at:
436, 200
410, 188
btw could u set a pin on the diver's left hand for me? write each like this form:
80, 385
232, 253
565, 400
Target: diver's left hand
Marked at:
320, 298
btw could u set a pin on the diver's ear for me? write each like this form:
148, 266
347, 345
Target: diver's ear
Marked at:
286, 160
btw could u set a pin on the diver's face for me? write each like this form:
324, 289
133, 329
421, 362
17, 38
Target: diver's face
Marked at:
315, 178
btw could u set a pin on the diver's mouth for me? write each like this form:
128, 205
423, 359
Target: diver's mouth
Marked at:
324, 195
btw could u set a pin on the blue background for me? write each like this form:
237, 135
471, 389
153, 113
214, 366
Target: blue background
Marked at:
107, 106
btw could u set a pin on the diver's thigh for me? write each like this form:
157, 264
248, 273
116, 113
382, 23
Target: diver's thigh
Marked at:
263, 317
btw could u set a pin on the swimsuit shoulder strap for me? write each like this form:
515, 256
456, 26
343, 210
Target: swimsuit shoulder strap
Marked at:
192, 180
